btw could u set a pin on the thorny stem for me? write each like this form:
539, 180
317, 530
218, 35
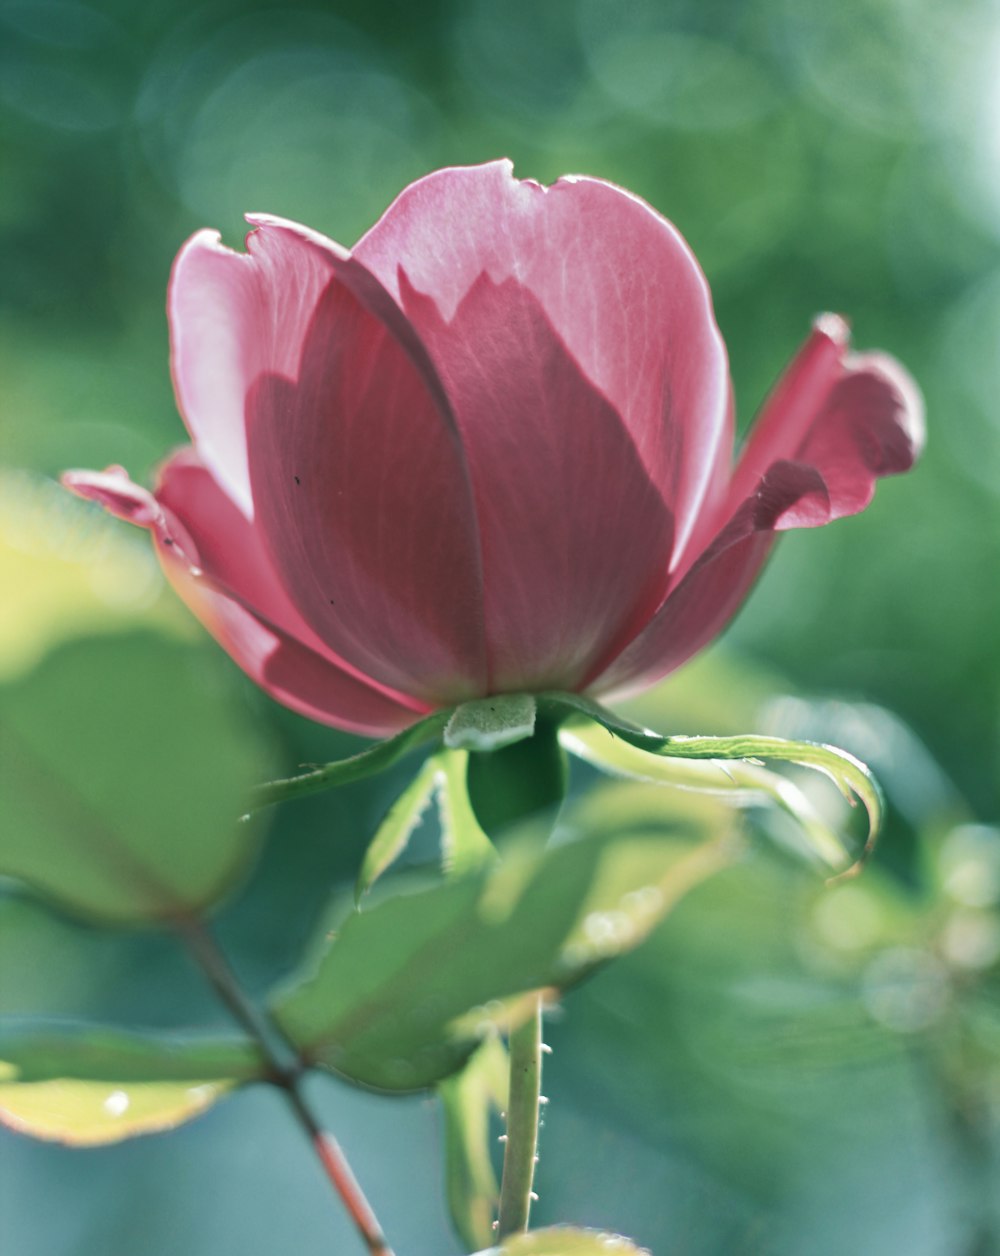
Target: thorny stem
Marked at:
285, 1072
522, 1124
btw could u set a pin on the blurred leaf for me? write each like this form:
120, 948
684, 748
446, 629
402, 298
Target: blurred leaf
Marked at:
394, 832
401, 994
564, 1241
763, 1016
465, 846
468, 1099
65, 569
359, 766
85, 1085
491, 723
122, 776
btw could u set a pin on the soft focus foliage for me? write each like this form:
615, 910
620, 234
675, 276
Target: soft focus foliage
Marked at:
780, 1068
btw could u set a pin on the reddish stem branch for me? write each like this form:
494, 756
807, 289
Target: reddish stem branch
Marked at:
285, 1072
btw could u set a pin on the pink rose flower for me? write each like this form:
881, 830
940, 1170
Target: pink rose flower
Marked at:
489, 449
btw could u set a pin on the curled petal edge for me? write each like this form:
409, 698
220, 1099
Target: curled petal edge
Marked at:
283, 666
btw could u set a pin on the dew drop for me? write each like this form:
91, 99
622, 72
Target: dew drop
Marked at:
117, 1103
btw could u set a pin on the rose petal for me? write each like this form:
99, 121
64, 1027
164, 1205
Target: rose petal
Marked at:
112, 489
232, 317
361, 489
235, 316
702, 603
835, 423
621, 289
576, 539
215, 561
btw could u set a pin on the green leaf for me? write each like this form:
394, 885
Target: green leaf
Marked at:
491, 723
849, 774
359, 766
465, 846
565, 1241
468, 1099
402, 994
124, 766
395, 830
86, 1085
737, 781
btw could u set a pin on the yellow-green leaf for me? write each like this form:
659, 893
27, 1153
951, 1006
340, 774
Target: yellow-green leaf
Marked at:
565, 1241
85, 1085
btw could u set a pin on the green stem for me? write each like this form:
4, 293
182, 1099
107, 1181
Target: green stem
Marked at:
285, 1072
520, 1151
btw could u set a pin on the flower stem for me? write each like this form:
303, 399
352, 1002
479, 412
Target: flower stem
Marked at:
520, 1151
285, 1072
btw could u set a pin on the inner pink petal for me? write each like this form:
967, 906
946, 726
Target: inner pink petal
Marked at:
361, 489
614, 279
576, 538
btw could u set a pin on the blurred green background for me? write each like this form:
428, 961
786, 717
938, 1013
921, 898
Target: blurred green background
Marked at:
781, 1070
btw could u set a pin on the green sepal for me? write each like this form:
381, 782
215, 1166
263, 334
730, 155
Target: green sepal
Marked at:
525, 780
464, 846
396, 829
562, 1240
86, 1085
491, 723
738, 782
850, 775
369, 762
468, 1099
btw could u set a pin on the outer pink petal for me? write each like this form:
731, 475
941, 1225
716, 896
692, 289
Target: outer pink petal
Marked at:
576, 540
235, 316
361, 491
835, 423
217, 564
618, 285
